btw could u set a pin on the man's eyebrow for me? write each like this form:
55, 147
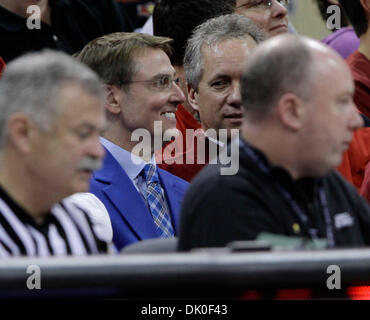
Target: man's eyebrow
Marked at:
244, 3
90, 126
220, 76
85, 124
160, 75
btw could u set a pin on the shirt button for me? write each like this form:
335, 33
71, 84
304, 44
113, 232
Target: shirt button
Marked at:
55, 37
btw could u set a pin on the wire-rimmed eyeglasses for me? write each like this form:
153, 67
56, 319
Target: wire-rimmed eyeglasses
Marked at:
262, 4
161, 83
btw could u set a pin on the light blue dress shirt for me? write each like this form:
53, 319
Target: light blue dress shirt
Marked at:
132, 165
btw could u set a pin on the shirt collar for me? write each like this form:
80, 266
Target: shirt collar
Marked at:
23, 215
129, 162
280, 173
259, 154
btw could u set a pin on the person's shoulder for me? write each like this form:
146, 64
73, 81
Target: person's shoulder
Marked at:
345, 196
335, 177
171, 177
344, 41
338, 186
211, 179
346, 33
89, 204
231, 166
360, 67
357, 60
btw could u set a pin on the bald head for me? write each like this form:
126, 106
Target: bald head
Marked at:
283, 64
299, 92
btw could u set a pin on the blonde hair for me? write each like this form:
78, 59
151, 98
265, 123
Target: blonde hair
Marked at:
112, 56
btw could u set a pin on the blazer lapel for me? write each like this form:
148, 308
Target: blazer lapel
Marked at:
125, 197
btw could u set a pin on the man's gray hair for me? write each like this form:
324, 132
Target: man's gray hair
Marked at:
212, 32
31, 84
272, 71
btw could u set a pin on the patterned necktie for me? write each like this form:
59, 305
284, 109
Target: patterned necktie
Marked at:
156, 201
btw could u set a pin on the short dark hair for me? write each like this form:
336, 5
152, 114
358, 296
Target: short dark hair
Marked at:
356, 15
176, 19
287, 68
323, 7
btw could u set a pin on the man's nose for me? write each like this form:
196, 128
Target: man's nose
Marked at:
235, 98
356, 120
278, 9
177, 96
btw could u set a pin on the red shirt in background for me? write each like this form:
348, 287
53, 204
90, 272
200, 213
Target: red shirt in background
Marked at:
360, 66
2, 66
184, 120
365, 188
357, 157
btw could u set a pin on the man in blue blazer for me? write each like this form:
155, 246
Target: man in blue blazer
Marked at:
142, 96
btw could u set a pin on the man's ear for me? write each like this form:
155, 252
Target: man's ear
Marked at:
193, 98
20, 131
290, 111
114, 99
366, 5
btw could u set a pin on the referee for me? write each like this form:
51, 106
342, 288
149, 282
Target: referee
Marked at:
51, 115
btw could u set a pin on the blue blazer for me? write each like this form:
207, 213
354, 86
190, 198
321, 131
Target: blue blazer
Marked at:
130, 217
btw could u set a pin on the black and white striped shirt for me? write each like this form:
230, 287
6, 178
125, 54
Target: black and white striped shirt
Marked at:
67, 230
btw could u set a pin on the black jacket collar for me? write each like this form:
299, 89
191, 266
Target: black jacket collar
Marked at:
306, 187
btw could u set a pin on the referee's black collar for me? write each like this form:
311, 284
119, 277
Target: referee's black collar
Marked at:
12, 22
22, 214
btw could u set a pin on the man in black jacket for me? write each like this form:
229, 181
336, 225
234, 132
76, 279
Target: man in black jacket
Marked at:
296, 127
65, 25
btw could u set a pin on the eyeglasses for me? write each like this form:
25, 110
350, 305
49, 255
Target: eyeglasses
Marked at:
263, 4
162, 83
